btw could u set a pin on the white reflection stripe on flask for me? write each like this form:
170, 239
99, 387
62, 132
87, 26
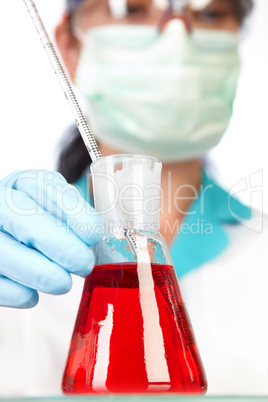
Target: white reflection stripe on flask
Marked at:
154, 350
103, 353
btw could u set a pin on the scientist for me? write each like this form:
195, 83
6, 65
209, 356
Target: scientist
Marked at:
158, 81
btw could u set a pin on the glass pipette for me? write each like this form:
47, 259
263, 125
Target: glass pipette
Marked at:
69, 94
60, 72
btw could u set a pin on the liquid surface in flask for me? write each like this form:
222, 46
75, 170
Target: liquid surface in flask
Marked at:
133, 334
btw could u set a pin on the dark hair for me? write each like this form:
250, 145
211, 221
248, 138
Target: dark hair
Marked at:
74, 159
242, 9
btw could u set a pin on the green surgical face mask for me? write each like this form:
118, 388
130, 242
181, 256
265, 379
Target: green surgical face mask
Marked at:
171, 99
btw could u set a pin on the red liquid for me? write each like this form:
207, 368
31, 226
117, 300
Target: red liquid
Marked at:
132, 334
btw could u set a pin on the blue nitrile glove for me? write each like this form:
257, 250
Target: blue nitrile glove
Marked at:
46, 229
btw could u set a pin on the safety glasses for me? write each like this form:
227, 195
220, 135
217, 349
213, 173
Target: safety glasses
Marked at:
196, 14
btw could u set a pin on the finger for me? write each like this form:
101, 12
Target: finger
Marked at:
36, 228
30, 268
13, 294
51, 191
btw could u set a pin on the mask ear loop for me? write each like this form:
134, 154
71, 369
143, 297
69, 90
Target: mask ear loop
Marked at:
77, 32
172, 13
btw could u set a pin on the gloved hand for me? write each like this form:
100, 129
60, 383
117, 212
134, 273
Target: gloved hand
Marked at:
46, 230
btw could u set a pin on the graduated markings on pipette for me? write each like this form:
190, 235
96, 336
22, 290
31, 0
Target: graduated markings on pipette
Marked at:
178, 311
71, 97
69, 94
143, 256
130, 235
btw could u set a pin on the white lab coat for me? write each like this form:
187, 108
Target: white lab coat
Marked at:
227, 300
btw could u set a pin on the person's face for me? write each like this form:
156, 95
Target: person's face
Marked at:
216, 14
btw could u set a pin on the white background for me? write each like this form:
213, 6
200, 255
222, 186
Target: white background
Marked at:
34, 112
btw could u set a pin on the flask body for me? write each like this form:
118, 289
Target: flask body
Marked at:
132, 332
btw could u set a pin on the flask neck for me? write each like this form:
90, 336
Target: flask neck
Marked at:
127, 193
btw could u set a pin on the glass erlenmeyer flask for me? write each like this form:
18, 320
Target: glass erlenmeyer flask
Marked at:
132, 333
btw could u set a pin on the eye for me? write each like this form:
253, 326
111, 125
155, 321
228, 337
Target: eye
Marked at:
138, 8
213, 15
135, 10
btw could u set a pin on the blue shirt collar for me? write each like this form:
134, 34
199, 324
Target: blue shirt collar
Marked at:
203, 234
